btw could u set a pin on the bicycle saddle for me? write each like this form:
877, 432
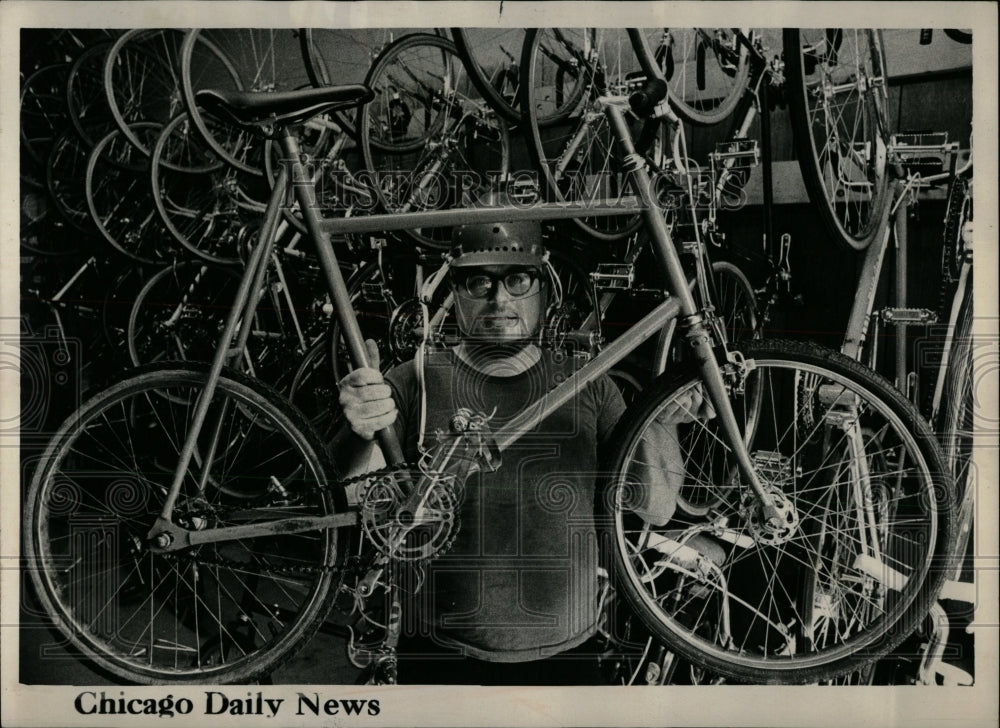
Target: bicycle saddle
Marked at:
248, 109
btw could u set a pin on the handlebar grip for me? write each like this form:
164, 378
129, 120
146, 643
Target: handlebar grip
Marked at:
643, 101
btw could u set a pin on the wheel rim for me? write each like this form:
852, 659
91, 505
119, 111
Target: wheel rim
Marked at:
845, 96
579, 159
705, 69
758, 637
428, 140
146, 616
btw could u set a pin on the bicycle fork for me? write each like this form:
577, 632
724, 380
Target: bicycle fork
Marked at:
698, 334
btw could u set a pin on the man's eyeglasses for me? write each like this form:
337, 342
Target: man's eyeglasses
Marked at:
482, 284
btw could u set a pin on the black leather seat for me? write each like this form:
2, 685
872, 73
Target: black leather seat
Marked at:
285, 108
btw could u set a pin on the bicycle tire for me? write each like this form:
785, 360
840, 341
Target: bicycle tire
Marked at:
141, 80
846, 177
427, 142
492, 82
578, 160
86, 544
211, 209
735, 304
119, 197
65, 173
956, 424
751, 641
568, 52
819, 579
179, 313
256, 60
334, 56
314, 392
703, 86
43, 117
86, 103
735, 301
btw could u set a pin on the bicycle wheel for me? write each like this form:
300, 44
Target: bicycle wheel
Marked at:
579, 159
723, 589
43, 116
735, 306
735, 302
241, 59
956, 424
223, 612
833, 535
142, 80
427, 139
65, 174
179, 313
491, 58
565, 72
837, 94
335, 56
119, 197
705, 69
85, 100
213, 211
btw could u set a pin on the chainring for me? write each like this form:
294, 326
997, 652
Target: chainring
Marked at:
380, 500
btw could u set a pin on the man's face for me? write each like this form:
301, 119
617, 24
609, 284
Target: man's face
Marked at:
498, 303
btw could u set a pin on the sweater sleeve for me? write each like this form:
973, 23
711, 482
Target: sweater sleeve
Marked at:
402, 380
610, 407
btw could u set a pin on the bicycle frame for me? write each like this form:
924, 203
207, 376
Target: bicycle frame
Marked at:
168, 536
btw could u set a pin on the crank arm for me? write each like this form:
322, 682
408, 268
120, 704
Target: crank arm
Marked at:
165, 536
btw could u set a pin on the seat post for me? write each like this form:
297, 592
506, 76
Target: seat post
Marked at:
304, 186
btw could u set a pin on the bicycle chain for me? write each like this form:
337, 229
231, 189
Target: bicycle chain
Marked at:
952, 234
398, 469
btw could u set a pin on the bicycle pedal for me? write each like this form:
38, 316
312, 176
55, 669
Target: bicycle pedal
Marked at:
927, 152
908, 316
737, 154
613, 276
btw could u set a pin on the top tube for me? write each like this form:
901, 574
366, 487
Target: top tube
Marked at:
568, 210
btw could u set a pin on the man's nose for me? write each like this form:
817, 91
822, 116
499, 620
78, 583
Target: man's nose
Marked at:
498, 292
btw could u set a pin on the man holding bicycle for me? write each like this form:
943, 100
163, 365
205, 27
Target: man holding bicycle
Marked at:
516, 599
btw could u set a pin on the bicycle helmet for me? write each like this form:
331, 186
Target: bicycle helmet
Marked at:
499, 243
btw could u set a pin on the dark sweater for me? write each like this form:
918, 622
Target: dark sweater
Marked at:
520, 581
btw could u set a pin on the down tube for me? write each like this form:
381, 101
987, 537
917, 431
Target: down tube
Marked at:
613, 353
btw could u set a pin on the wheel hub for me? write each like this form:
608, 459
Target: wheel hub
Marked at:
775, 472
